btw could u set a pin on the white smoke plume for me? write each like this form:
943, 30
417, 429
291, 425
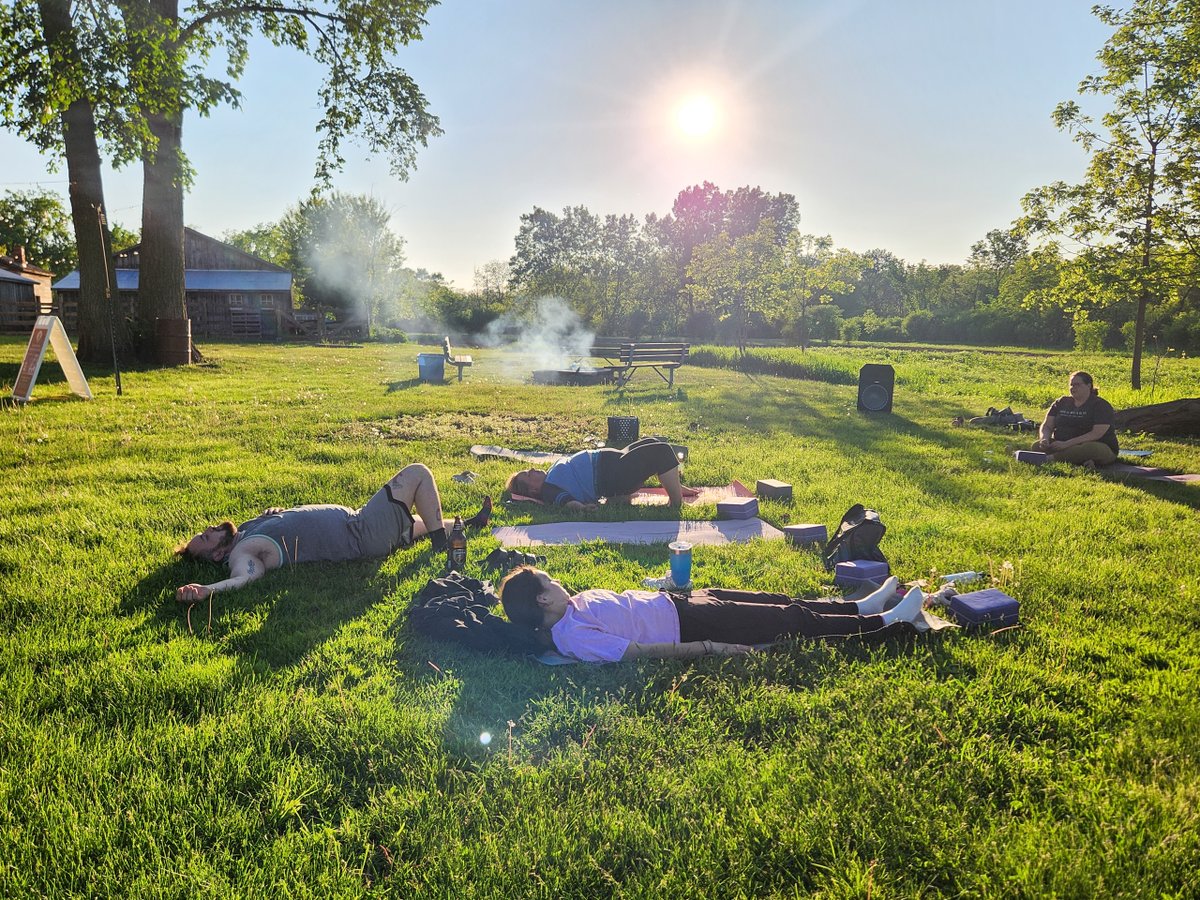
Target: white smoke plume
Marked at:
549, 335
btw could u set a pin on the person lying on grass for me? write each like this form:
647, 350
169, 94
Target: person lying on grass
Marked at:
580, 480
325, 533
1079, 428
607, 626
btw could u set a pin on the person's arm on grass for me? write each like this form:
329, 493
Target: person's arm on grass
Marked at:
245, 565
575, 504
688, 650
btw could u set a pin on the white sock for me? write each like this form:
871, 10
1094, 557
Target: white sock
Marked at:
873, 604
907, 610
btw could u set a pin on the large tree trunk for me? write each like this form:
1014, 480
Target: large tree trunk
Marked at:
97, 287
161, 279
160, 282
1176, 418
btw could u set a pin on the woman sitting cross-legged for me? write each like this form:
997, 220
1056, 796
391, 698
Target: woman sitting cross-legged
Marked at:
607, 626
1079, 427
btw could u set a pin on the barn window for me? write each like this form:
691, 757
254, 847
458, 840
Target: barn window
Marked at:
237, 301
266, 301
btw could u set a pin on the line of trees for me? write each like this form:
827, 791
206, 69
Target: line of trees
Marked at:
1111, 261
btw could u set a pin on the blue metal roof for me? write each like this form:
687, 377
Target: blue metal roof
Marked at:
6, 275
214, 280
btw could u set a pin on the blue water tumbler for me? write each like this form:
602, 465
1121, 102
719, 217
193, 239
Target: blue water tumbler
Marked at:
681, 563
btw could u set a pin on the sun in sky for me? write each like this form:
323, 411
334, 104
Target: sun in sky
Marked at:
696, 116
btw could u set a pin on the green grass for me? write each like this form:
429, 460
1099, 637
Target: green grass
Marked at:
311, 745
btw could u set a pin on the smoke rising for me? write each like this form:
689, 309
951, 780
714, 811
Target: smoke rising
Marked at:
548, 335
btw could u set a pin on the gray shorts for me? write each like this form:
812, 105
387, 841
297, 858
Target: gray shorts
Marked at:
384, 524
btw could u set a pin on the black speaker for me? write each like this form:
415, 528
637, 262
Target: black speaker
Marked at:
875, 386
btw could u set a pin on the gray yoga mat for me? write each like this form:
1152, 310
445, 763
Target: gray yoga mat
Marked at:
642, 531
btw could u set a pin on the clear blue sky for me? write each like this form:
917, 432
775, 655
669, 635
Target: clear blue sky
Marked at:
912, 125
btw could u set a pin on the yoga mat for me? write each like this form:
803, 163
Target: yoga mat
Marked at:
657, 496
536, 456
642, 531
1149, 473
1124, 470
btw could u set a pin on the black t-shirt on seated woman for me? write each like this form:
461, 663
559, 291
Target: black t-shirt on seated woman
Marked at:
1071, 421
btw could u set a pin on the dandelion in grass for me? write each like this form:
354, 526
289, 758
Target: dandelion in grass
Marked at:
485, 738
1004, 576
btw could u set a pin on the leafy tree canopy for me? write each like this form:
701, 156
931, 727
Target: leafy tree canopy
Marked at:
39, 222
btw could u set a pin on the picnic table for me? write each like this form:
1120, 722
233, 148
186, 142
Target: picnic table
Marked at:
624, 358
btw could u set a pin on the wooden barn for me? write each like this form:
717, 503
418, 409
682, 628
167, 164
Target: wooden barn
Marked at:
230, 293
24, 293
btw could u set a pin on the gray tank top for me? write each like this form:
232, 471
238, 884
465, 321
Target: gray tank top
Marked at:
316, 533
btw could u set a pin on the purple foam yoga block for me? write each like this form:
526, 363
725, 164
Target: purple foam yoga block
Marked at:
1032, 457
737, 508
806, 534
987, 607
770, 489
856, 571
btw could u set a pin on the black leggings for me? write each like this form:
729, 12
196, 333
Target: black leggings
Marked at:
757, 617
620, 472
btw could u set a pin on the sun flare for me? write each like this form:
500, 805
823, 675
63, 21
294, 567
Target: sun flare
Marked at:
696, 116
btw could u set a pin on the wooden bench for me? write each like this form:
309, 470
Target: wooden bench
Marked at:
460, 361
626, 357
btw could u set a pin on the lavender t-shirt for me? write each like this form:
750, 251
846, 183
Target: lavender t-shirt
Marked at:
599, 625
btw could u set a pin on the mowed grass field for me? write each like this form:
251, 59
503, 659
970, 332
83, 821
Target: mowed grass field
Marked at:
304, 743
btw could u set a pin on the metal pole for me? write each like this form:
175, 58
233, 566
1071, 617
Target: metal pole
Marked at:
112, 321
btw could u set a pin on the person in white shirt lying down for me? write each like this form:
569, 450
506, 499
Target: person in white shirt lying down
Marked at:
610, 626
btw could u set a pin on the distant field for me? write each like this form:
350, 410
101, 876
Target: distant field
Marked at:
311, 745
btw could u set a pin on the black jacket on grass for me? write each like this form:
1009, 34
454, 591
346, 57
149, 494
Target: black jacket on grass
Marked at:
458, 609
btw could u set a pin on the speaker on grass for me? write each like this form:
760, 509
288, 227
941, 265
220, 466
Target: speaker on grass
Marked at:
622, 431
876, 384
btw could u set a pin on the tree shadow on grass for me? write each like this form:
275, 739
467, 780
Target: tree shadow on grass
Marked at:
550, 708
917, 453
1182, 493
276, 622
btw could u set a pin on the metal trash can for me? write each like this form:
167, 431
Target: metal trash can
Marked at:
431, 367
622, 431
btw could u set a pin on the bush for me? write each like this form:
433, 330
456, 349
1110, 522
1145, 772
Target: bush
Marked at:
919, 325
1128, 334
766, 362
386, 335
1089, 336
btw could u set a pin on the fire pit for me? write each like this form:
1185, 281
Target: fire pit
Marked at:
579, 377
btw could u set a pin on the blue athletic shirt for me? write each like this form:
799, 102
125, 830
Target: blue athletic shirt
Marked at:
573, 478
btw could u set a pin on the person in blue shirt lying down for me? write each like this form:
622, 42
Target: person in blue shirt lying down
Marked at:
580, 480
608, 626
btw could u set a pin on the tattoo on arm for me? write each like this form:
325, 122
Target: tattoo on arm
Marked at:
250, 567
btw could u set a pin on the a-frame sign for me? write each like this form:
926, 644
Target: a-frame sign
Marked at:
49, 331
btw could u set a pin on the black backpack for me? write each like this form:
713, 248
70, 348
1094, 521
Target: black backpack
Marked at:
857, 537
